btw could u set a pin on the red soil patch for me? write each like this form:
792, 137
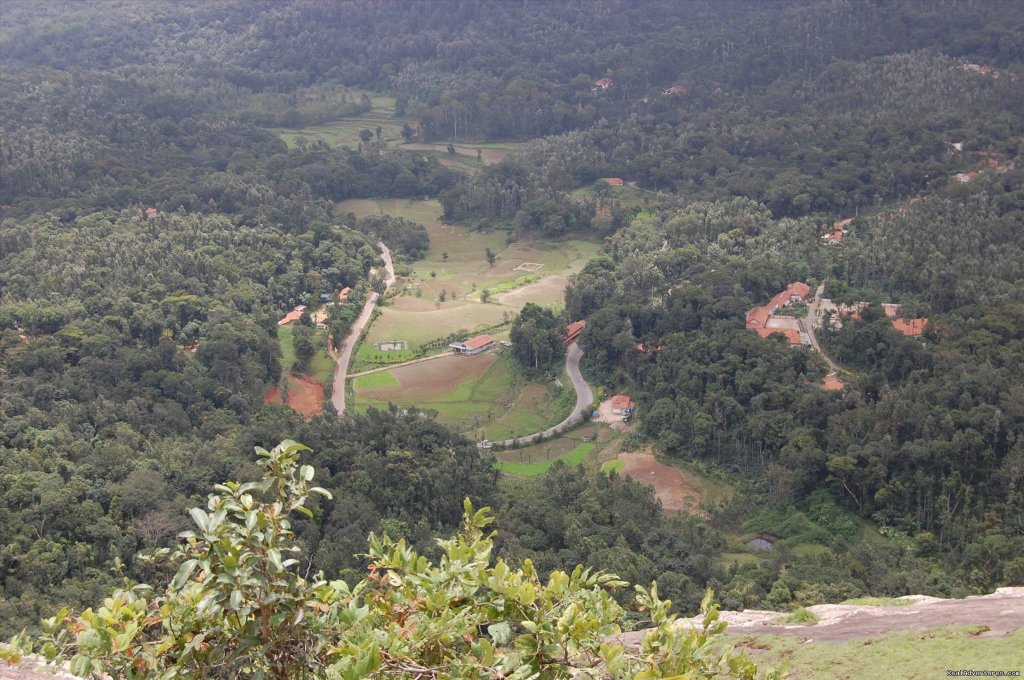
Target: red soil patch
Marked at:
305, 395
432, 380
673, 490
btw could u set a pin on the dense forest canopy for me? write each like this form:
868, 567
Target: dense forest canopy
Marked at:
135, 348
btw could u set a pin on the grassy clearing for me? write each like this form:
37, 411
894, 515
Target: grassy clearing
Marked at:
376, 380
535, 408
345, 131
368, 357
714, 491
573, 458
464, 404
610, 466
800, 617
286, 339
321, 366
809, 549
916, 655
879, 602
740, 558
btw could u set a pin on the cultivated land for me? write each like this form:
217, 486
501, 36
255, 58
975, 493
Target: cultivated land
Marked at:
465, 155
456, 266
345, 131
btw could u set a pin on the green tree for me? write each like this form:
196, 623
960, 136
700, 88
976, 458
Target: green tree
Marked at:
537, 338
491, 256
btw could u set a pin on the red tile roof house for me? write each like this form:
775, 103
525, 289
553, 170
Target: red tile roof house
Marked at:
343, 295
612, 181
602, 84
293, 315
474, 345
758, 317
839, 229
621, 402
573, 330
676, 89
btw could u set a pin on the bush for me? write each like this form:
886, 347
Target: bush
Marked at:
238, 607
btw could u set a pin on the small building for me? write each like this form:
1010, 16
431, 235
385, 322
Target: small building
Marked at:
573, 330
343, 295
324, 297
293, 315
601, 84
622, 405
612, 181
150, 213
965, 177
839, 229
474, 345
676, 89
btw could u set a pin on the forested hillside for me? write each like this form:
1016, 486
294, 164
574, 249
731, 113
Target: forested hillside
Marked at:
157, 222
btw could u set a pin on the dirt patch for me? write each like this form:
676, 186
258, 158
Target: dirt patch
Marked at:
432, 380
549, 290
305, 395
613, 420
672, 489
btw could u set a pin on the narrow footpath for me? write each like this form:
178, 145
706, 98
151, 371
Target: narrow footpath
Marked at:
345, 355
584, 399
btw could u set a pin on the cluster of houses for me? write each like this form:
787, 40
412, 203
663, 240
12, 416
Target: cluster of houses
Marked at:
319, 317
912, 328
839, 229
764, 321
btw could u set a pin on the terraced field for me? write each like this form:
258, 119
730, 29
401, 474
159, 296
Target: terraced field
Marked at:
345, 132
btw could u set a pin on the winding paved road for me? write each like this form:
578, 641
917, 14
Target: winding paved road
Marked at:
584, 398
810, 320
341, 366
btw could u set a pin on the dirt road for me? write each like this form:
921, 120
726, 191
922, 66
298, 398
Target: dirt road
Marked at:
584, 398
345, 355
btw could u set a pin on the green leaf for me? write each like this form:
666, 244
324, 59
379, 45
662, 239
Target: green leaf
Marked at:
501, 633
200, 517
274, 557
184, 571
306, 473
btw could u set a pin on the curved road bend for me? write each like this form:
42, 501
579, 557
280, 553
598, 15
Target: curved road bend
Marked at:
345, 355
584, 398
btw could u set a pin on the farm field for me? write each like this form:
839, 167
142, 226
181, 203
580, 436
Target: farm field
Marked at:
466, 154
456, 266
345, 132
476, 395
574, 457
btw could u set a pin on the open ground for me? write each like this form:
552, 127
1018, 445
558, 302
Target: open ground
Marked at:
305, 395
478, 395
456, 269
345, 131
